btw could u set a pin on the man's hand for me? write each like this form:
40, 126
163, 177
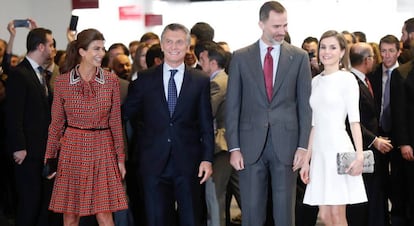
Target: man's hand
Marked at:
299, 158
383, 145
407, 152
205, 170
236, 160
19, 156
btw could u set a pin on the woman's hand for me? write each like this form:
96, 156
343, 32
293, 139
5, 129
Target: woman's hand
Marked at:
121, 166
304, 172
356, 166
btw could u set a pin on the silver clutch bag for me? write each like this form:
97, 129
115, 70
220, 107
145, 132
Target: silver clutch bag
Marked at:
344, 159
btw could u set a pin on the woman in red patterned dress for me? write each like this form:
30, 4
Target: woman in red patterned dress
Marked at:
86, 133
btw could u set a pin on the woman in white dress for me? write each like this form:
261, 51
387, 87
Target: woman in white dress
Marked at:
335, 96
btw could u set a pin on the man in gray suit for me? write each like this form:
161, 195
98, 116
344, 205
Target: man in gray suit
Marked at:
268, 118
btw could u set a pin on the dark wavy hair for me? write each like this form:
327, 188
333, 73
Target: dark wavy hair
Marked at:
83, 40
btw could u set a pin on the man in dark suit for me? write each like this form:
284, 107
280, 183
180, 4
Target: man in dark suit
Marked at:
268, 118
402, 111
28, 118
374, 212
392, 178
175, 137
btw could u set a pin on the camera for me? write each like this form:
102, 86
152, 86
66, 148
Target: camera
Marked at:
311, 55
21, 23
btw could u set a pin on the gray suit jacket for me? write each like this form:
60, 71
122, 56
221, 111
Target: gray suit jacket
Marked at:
249, 112
218, 89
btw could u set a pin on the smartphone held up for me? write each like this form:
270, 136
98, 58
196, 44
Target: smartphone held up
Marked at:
73, 23
21, 23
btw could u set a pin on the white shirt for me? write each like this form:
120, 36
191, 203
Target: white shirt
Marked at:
178, 78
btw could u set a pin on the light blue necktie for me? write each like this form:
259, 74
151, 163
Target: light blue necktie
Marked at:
385, 119
172, 92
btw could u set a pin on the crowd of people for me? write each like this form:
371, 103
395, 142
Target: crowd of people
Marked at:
167, 130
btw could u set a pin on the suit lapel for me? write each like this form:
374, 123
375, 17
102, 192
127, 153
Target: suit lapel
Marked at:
256, 67
285, 60
159, 86
185, 89
33, 78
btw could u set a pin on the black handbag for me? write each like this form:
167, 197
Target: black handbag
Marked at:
50, 167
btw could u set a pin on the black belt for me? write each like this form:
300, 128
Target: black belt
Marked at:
89, 129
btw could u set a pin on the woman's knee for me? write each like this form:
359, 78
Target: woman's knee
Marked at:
105, 219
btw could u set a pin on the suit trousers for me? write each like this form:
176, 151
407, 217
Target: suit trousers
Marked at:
32, 193
171, 196
216, 189
254, 189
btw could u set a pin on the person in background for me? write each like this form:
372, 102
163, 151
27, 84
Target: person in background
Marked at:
360, 36
139, 61
114, 50
334, 97
85, 135
373, 213
268, 131
175, 138
310, 45
150, 38
407, 40
213, 60
132, 47
27, 121
154, 56
402, 129
391, 163
349, 37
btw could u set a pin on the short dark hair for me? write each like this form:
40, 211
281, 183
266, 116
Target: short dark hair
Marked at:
360, 36
267, 7
202, 31
409, 25
391, 39
148, 36
36, 37
215, 52
117, 45
153, 52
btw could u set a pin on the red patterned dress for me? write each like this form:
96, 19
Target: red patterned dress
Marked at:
86, 129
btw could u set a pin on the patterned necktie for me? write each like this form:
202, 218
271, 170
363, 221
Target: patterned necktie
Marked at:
172, 92
268, 73
385, 120
369, 86
43, 79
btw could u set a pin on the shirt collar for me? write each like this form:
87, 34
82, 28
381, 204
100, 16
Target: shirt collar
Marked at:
75, 75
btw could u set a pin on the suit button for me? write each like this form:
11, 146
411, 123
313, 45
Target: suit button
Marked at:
169, 140
171, 124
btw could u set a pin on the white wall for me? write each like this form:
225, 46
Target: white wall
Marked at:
234, 21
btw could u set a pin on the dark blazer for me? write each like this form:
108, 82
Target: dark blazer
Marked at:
188, 136
27, 112
368, 114
375, 78
374, 212
27, 121
402, 104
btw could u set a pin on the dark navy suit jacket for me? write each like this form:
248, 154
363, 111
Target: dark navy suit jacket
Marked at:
187, 136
